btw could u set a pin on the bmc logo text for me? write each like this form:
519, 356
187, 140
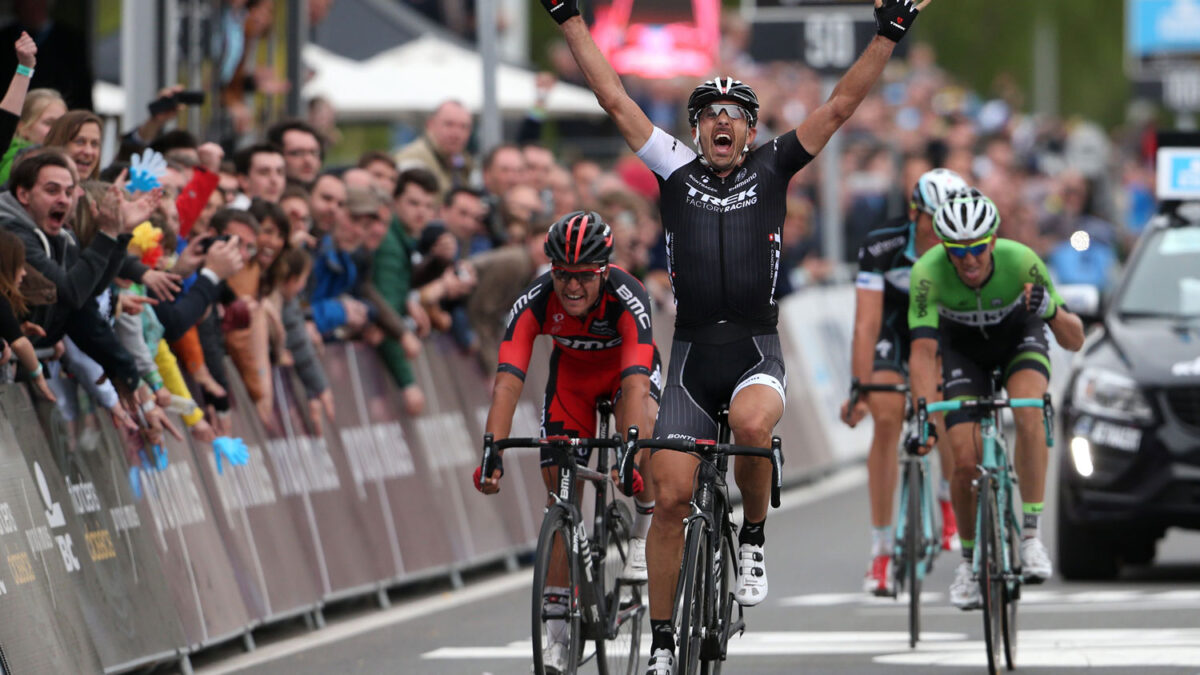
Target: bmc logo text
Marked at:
635, 305
586, 344
521, 302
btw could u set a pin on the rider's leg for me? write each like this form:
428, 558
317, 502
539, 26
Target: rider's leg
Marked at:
753, 414
964, 442
664, 546
1031, 454
887, 413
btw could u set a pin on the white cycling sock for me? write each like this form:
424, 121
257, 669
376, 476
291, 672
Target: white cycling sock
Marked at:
881, 541
944, 490
644, 513
556, 629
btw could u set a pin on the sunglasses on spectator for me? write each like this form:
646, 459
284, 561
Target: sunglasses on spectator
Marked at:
713, 110
976, 249
582, 276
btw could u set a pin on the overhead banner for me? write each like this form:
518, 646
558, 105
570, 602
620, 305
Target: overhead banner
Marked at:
44, 630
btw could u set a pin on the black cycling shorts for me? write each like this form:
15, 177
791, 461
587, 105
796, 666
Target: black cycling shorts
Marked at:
892, 347
704, 377
967, 365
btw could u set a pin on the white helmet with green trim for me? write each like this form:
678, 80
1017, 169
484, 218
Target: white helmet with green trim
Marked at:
966, 215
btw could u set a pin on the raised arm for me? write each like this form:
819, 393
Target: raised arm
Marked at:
14, 98
603, 80
893, 18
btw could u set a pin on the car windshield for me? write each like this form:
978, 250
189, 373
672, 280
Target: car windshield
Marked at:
1166, 279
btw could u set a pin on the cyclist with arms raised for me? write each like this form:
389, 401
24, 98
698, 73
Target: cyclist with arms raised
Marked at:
880, 356
991, 301
599, 318
723, 207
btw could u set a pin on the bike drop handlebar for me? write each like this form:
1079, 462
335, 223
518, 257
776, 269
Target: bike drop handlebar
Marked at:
858, 388
552, 442
989, 404
704, 448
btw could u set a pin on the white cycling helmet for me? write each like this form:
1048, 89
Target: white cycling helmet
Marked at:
966, 215
933, 187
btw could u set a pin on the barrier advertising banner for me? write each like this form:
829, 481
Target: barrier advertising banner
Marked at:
388, 467
353, 558
449, 449
258, 524
44, 630
123, 593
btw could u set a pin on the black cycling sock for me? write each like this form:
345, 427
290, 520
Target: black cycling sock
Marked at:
753, 533
662, 636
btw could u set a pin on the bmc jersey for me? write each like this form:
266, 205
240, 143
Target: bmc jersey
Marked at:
940, 302
724, 234
615, 336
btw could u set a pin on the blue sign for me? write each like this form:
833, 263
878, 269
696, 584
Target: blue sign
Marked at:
1162, 27
1178, 173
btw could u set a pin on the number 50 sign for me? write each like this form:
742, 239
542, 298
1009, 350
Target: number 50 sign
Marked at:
825, 35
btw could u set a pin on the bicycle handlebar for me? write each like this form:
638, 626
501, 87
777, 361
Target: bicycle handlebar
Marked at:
988, 404
560, 441
857, 388
702, 447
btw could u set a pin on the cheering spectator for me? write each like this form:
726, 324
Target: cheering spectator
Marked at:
41, 110
260, 174
79, 134
303, 150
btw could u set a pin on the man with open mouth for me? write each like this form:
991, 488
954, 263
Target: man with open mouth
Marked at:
723, 206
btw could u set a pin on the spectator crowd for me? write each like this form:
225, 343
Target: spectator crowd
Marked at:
135, 278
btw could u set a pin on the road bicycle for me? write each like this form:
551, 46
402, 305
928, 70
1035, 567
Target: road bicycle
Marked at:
918, 532
600, 606
704, 603
997, 560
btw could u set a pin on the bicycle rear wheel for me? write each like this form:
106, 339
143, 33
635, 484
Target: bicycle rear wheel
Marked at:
914, 549
1012, 588
991, 573
555, 536
618, 652
692, 597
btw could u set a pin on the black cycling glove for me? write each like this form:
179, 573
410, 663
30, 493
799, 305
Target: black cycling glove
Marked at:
491, 461
893, 19
1042, 303
561, 10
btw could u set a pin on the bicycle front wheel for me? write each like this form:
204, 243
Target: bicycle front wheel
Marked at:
557, 620
914, 550
991, 572
692, 597
722, 623
618, 652
1012, 588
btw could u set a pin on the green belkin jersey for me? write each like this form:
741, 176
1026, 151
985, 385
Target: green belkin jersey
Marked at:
939, 301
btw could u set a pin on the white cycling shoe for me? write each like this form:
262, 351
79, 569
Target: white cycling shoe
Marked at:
751, 586
635, 563
554, 659
964, 591
662, 662
1035, 562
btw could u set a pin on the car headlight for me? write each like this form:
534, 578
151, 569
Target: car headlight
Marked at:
1113, 395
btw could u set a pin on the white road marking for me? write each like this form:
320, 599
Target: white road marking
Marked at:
1032, 601
1038, 648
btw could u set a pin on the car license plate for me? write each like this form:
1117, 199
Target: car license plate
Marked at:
1116, 436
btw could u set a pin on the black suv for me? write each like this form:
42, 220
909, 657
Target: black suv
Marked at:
1130, 456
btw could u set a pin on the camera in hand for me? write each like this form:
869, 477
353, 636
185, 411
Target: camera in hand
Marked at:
165, 104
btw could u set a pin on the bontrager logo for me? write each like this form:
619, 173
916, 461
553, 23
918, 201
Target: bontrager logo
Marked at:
708, 202
635, 305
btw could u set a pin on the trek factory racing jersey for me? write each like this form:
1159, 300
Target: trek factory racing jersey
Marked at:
723, 234
885, 262
939, 302
615, 336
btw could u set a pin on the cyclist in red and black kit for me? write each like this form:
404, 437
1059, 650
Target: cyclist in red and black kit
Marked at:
723, 205
599, 318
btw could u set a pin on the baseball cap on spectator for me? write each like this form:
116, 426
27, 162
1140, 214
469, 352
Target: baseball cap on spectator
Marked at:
361, 201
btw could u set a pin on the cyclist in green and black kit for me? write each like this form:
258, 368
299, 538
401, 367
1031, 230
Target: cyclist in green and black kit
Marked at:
991, 301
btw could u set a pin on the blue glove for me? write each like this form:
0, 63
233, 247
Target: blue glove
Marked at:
234, 450
135, 482
160, 457
145, 170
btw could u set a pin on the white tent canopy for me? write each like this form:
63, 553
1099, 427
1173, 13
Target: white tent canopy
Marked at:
417, 76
